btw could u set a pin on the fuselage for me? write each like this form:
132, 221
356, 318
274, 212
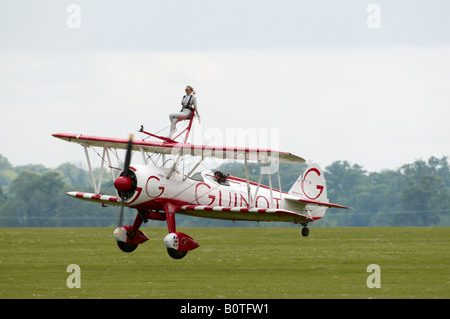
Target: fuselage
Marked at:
153, 189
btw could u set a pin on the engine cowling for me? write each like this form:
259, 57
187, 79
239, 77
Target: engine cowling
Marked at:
126, 185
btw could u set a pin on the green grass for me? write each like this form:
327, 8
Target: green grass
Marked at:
230, 263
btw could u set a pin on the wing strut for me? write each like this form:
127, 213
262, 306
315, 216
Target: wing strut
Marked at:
174, 166
105, 156
90, 170
271, 191
279, 185
247, 177
193, 169
267, 172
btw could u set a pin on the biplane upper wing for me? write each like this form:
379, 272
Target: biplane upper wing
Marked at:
222, 152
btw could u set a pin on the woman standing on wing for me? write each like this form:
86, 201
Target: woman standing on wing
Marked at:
188, 105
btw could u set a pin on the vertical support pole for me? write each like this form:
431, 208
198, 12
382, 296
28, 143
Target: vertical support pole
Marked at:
143, 155
257, 188
117, 157
271, 191
90, 169
101, 170
281, 192
249, 196
174, 164
110, 165
189, 127
259, 184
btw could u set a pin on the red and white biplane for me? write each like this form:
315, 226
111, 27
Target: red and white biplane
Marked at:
160, 189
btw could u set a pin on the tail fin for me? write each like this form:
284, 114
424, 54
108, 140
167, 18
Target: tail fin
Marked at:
312, 186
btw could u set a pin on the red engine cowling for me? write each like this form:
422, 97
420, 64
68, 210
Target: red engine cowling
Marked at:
180, 241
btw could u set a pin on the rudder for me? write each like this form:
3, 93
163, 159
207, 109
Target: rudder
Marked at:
311, 185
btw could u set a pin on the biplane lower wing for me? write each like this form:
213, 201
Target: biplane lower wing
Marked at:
243, 213
222, 152
217, 212
96, 198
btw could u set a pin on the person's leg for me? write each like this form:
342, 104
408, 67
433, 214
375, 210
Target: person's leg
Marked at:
175, 118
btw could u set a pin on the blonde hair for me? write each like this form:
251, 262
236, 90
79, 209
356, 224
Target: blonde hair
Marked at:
191, 88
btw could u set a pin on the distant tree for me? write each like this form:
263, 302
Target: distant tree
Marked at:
416, 194
39, 200
74, 175
34, 197
7, 173
3, 196
36, 168
342, 180
426, 191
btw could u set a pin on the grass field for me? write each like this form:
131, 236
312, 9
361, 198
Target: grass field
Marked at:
230, 263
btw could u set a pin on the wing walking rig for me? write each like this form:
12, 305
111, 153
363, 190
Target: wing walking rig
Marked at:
159, 192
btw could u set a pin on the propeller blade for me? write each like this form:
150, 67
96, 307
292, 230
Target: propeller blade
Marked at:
128, 156
125, 173
121, 214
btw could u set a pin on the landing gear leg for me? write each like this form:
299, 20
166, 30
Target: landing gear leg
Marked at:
170, 218
178, 244
128, 237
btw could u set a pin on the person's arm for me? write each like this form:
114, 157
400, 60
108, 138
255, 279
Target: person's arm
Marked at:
194, 104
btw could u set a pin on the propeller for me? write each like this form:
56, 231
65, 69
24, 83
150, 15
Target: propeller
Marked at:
123, 183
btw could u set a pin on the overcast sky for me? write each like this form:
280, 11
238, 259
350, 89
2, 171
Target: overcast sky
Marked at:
362, 81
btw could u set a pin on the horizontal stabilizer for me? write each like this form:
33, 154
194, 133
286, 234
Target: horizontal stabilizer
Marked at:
309, 201
96, 198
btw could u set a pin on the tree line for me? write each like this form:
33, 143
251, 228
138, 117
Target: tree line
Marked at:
416, 194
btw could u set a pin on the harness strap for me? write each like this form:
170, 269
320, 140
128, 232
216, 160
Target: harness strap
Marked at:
188, 106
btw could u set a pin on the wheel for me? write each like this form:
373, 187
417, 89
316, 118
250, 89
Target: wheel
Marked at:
126, 247
305, 231
175, 254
